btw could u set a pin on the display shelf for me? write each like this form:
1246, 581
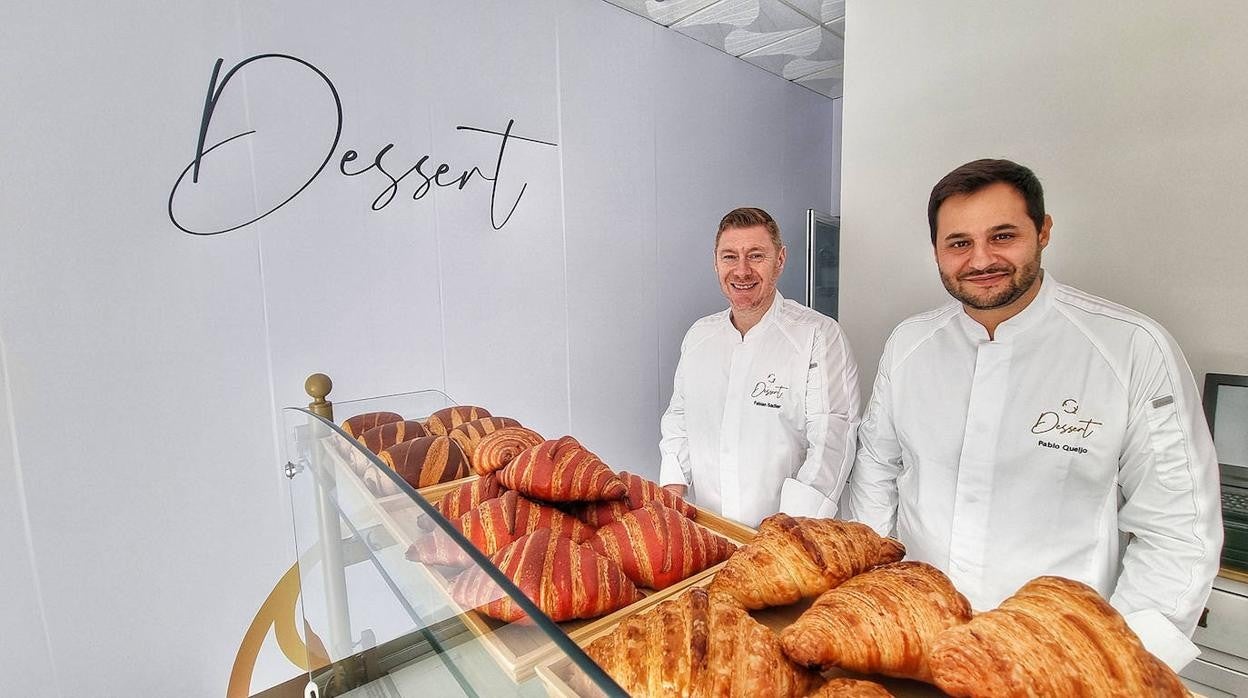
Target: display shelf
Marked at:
371, 615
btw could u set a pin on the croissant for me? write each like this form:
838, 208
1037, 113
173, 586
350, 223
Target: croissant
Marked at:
498, 449
657, 547
698, 645
469, 434
441, 422
850, 688
640, 493
561, 471
497, 522
1053, 637
791, 559
565, 579
880, 622
426, 461
381, 437
361, 423
467, 496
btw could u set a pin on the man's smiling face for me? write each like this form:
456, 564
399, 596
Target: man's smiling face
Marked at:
748, 265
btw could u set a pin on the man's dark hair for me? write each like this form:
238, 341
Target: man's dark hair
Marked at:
974, 176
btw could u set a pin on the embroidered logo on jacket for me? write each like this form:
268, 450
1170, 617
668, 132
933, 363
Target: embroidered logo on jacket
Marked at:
1063, 422
769, 392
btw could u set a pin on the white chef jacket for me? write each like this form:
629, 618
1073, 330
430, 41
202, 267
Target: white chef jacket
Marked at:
1072, 444
766, 422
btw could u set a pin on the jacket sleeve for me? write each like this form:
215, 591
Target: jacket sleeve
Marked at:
674, 468
1170, 508
832, 409
873, 481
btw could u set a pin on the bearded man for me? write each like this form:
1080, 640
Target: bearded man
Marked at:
1028, 428
765, 401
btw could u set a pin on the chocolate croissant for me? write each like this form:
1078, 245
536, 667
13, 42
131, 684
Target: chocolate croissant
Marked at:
791, 559
426, 461
1054, 637
657, 546
561, 471
698, 645
469, 434
444, 420
640, 493
879, 622
565, 579
379, 438
496, 450
360, 423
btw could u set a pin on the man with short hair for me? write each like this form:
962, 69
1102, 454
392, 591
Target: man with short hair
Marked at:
765, 401
1028, 428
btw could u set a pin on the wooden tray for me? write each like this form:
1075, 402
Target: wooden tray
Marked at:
519, 647
557, 672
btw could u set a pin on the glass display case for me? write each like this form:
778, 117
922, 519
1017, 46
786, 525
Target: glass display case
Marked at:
378, 624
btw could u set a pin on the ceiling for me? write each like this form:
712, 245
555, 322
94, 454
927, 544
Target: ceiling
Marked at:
800, 40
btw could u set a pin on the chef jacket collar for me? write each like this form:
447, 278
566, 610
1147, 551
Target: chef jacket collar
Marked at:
1021, 322
768, 318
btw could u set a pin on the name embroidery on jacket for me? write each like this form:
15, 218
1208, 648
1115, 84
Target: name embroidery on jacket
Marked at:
1064, 422
769, 392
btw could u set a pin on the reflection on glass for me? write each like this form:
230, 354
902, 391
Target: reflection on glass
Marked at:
1230, 425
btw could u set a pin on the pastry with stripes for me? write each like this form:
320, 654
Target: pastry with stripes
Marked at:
562, 470
640, 493
381, 437
426, 461
360, 423
440, 423
497, 522
469, 434
563, 578
496, 450
656, 546
468, 496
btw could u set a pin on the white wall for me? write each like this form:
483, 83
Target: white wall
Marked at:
1135, 118
145, 367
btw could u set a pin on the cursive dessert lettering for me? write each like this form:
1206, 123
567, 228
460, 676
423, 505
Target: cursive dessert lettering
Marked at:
199, 166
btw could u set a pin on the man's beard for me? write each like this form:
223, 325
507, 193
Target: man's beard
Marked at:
1019, 282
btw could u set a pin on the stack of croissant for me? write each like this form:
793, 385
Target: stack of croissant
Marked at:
441, 448
873, 614
599, 535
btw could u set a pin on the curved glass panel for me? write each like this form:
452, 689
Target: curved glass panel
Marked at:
379, 624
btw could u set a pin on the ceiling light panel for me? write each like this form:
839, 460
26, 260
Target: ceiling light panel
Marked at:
741, 26
829, 82
804, 53
664, 12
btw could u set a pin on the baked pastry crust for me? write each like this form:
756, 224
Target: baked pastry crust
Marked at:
561, 470
850, 688
791, 559
880, 622
640, 493
496, 450
697, 645
656, 546
444, 420
1053, 637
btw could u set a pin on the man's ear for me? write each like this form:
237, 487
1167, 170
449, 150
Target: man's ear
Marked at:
784, 253
1044, 230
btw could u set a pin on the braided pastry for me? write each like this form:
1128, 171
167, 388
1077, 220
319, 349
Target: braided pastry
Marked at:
498, 449
360, 423
495, 524
1054, 637
426, 461
444, 420
791, 559
381, 437
565, 579
698, 645
879, 622
561, 471
657, 547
